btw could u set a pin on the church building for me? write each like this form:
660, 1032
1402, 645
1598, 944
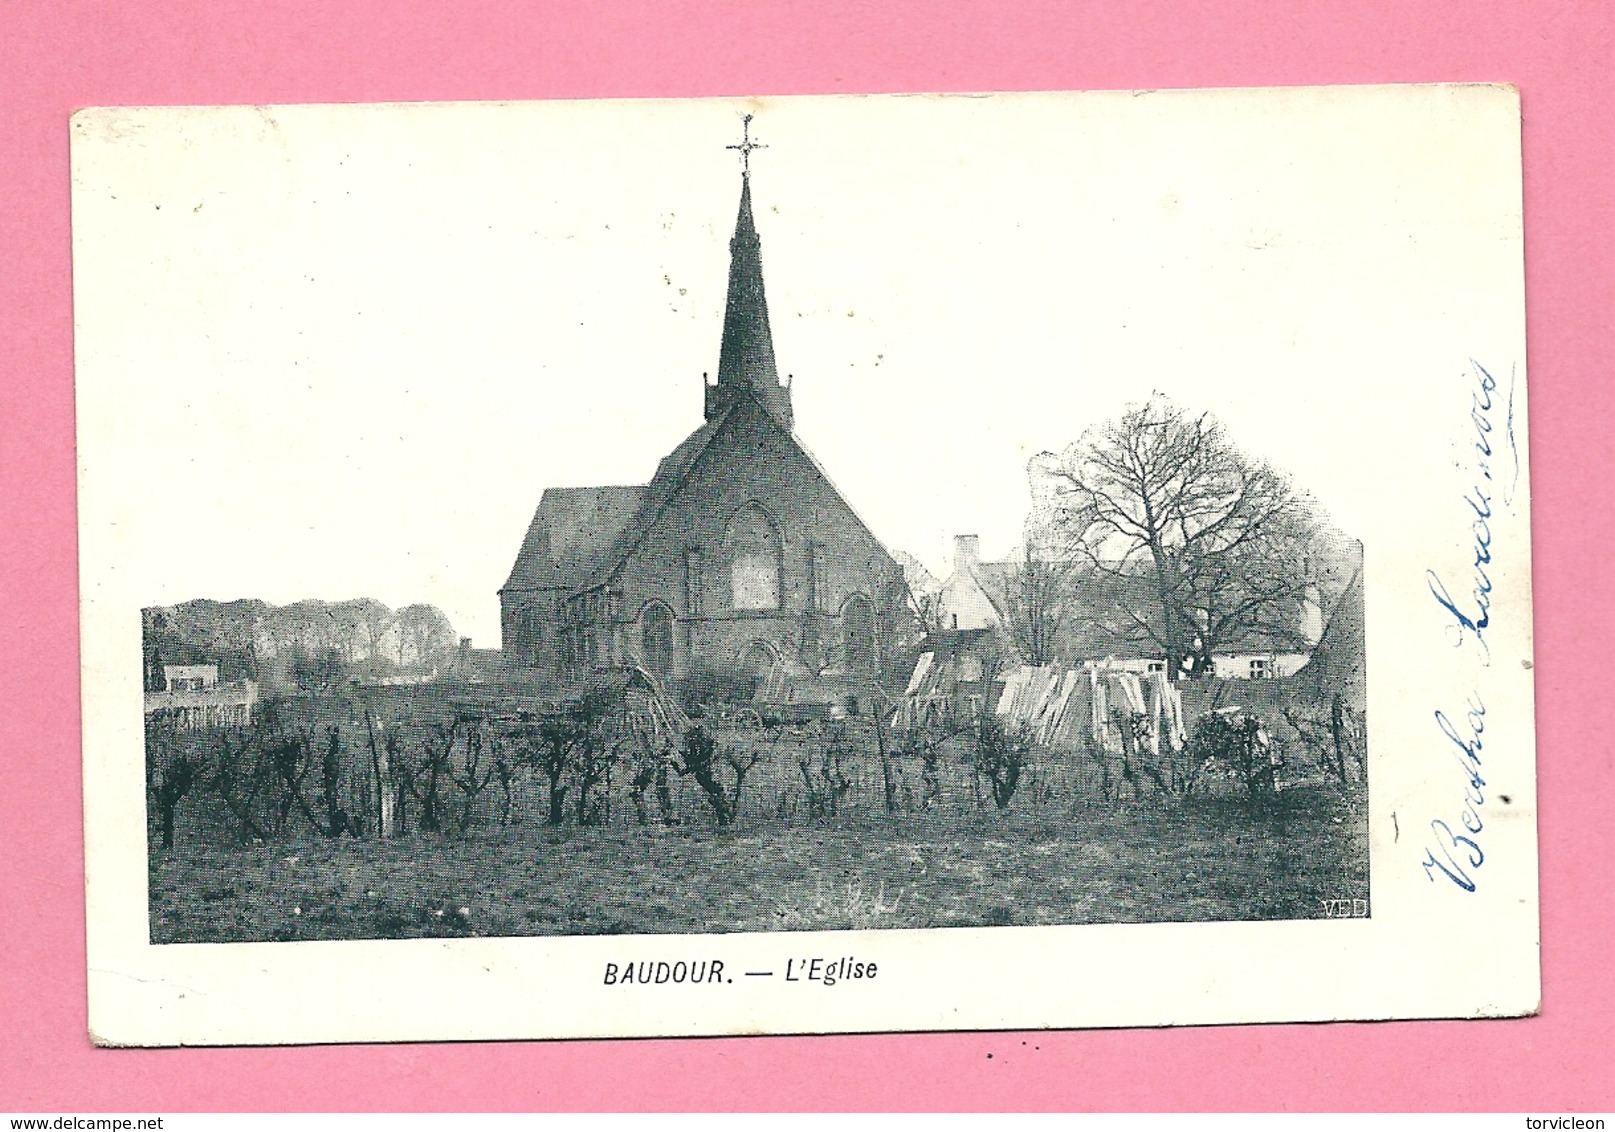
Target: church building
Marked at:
739, 556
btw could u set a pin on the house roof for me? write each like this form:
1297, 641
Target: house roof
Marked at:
946, 643
1100, 626
991, 578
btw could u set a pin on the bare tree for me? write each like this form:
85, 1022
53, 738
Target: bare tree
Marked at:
288, 737
926, 608
173, 768
1034, 600
569, 748
908, 617
719, 770
427, 637
1192, 542
1000, 756
473, 773
424, 775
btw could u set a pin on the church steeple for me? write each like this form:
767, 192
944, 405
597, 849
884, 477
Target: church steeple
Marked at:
746, 357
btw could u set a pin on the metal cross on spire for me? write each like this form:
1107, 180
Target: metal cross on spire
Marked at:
746, 145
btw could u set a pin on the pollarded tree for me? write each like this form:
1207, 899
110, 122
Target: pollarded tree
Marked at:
1193, 544
718, 769
173, 768
570, 747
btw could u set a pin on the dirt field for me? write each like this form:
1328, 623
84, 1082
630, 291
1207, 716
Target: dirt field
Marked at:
1201, 859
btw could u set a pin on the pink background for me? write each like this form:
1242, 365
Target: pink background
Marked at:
55, 57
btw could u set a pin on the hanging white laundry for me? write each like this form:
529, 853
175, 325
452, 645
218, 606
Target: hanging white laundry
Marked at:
1099, 726
1050, 704
1056, 710
1177, 734
1013, 684
921, 668
1155, 710
1049, 685
1126, 691
1076, 718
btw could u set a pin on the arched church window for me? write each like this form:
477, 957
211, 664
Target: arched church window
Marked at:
753, 548
656, 639
858, 634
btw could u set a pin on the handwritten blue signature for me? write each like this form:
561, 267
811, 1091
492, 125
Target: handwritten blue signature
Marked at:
1456, 853
1471, 615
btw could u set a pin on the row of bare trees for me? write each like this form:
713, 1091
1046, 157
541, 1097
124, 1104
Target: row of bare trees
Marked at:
336, 768
312, 646
446, 773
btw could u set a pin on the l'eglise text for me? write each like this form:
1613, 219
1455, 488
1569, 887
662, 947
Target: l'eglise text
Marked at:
827, 971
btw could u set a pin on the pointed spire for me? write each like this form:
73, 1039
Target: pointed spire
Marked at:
746, 357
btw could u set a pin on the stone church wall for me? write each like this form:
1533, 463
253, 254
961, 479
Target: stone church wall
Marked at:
528, 628
752, 461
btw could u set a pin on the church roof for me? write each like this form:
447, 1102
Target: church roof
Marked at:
579, 535
670, 475
572, 534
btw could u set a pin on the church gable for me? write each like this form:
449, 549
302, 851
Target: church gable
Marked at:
755, 530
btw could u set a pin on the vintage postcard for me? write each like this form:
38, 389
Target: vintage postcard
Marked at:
804, 565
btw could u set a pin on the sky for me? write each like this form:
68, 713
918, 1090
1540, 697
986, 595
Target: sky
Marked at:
340, 351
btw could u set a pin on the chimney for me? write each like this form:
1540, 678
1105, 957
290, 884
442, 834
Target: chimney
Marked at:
966, 552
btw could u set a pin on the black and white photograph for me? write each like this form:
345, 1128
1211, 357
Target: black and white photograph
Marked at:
798, 565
